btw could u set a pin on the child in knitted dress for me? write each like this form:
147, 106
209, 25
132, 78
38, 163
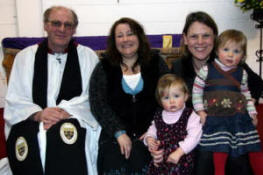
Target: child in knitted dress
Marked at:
175, 129
223, 101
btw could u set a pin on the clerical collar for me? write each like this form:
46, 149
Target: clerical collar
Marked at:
53, 53
50, 51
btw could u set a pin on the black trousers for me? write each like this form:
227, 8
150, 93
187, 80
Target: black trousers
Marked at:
111, 160
204, 164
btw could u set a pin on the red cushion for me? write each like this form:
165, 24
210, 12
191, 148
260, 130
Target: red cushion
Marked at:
2, 136
260, 122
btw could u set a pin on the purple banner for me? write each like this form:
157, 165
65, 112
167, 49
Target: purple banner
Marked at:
94, 42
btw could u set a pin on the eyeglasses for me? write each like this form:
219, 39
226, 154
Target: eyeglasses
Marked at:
57, 24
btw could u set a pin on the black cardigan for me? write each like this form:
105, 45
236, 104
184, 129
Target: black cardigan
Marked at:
113, 108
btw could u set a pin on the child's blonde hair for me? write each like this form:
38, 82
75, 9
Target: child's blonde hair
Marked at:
235, 36
167, 81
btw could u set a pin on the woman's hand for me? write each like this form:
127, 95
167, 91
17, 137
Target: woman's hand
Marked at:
142, 136
125, 145
157, 157
175, 156
152, 143
156, 154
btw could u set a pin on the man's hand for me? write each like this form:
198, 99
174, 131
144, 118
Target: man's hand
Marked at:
50, 116
125, 145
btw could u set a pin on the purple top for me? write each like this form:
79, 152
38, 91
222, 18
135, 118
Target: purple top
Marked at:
94, 42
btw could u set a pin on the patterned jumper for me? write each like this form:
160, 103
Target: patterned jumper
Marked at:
170, 135
227, 101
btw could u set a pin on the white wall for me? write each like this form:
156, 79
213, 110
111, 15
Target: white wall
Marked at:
157, 16
29, 18
7, 19
7, 29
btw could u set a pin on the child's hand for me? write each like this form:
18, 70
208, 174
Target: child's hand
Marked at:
175, 156
152, 143
255, 120
203, 116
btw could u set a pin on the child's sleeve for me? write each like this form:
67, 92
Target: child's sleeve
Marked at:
194, 132
198, 89
151, 132
245, 91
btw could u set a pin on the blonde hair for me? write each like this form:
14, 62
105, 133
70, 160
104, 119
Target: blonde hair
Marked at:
167, 81
235, 36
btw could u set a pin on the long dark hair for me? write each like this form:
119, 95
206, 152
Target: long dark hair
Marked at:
203, 18
144, 46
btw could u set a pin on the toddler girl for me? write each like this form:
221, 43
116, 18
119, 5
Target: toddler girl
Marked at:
223, 101
175, 128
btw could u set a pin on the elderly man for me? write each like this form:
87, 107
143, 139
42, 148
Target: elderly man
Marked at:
49, 126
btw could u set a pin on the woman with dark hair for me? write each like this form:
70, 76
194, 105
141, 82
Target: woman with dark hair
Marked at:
122, 89
197, 45
199, 38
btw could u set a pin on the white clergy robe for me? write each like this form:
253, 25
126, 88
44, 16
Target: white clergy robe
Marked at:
19, 104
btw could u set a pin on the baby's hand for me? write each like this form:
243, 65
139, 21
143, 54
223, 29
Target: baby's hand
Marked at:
203, 116
152, 143
175, 156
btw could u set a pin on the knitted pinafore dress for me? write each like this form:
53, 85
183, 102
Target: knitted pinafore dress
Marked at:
169, 136
228, 127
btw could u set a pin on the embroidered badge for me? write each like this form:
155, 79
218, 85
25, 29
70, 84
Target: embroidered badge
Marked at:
68, 133
21, 148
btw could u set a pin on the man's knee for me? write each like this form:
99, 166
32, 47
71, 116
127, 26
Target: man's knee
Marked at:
23, 150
